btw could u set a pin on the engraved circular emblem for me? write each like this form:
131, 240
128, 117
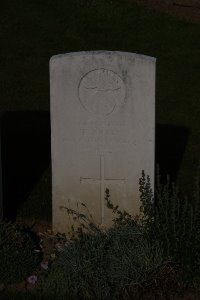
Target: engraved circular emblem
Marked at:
101, 92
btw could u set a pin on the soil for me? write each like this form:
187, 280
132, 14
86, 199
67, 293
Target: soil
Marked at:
48, 246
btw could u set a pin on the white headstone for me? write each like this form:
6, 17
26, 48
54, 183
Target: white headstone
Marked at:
103, 127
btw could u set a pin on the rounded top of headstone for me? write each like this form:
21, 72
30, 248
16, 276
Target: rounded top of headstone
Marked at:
101, 91
104, 52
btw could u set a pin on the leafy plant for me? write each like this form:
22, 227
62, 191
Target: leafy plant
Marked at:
173, 222
18, 257
102, 264
136, 253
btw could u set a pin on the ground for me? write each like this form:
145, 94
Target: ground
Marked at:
50, 243
183, 9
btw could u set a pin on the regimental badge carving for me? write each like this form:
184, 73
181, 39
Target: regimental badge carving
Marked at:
101, 92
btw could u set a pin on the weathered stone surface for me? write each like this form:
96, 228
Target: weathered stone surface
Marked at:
103, 126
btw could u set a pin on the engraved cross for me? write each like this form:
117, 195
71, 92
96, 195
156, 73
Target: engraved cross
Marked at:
102, 180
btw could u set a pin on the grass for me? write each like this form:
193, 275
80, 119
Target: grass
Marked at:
32, 31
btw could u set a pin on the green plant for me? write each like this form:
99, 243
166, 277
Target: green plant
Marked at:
121, 217
102, 264
53, 285
173, 222
18, 257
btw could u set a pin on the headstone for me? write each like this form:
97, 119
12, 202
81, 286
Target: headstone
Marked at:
102, 132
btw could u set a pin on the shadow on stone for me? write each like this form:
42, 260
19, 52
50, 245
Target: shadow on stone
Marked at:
25, 154
170, 147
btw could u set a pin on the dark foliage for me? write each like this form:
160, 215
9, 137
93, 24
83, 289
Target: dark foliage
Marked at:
18, 257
